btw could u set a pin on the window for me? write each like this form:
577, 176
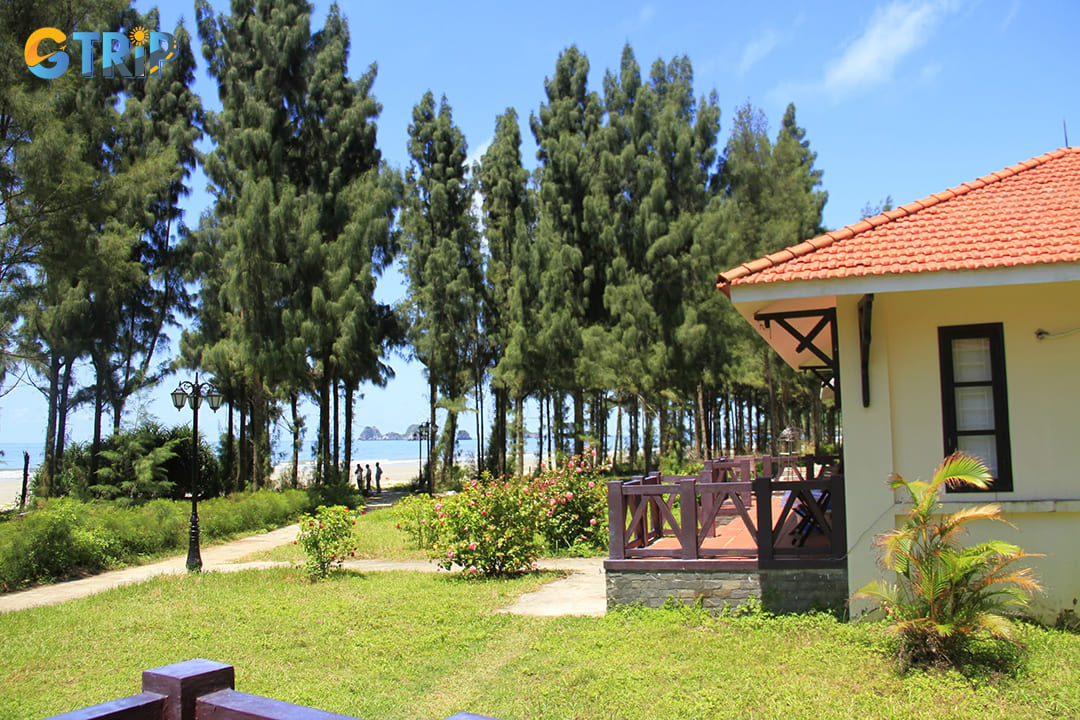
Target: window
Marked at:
973, 398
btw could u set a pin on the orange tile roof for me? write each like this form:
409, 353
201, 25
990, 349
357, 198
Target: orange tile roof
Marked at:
1026, 214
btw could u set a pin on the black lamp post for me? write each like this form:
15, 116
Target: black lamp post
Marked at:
192, 393
422, 434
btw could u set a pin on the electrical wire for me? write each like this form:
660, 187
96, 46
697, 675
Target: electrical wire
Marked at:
1047, 335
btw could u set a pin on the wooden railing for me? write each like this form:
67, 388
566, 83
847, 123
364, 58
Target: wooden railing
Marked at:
645, 510
203, 690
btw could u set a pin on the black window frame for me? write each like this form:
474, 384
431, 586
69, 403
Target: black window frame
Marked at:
995, 333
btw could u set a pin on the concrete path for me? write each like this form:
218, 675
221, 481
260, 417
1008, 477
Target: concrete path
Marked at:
581, 593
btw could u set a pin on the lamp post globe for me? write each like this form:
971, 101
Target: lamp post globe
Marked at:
191, 394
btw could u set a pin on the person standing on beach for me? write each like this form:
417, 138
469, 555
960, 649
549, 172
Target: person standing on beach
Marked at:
359, 477
378, 478
367, 477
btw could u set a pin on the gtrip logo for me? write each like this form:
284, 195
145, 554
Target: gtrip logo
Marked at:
147, 50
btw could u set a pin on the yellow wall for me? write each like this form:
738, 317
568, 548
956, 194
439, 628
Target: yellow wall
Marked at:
901, 431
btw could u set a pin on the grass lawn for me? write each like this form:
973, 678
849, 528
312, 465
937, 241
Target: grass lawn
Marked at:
417, 645
375, 535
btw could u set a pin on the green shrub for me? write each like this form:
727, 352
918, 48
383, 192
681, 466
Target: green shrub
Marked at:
147, 462
326, 539
489, 528
63, 536
573, 504
948, 597
415, 516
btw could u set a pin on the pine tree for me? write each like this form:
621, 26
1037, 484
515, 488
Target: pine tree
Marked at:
442, 264
257, 55
333, 309
509, 218
575, 262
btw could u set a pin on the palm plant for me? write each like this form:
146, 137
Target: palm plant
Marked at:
947, 595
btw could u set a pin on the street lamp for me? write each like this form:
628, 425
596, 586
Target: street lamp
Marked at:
422, 435
192, 393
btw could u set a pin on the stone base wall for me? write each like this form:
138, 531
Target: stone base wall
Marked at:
780, 591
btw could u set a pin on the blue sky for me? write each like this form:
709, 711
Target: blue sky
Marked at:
897, 98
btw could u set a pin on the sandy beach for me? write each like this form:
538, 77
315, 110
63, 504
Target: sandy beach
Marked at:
395, 473
10, 487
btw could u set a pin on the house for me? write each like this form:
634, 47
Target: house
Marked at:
949, 323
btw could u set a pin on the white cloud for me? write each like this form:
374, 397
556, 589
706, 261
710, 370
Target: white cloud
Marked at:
893, 33
756, 51
478, 152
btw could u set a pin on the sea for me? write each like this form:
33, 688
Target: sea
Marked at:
11, 454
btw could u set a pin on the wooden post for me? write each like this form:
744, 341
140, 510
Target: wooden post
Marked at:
25, 480
184, 682
763, 499
688, 519
616, 520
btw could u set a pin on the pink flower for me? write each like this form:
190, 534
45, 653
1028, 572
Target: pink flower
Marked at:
593, 521
579, 471
438, 507
472, 545
552, 502
535, 566
569, 495
592, 484
594, 452
483, 512
423, 521
472, 569
449, 553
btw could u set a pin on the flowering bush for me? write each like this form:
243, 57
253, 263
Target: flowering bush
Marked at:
326, 538
416, 516
573, 502
489, 528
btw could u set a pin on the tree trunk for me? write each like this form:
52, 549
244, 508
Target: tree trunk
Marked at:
243, 451
541, 444
432, 395
335, 386
618, 435
293, 405
647, 440
45, 489
635, 426
579, 422
322, 463
62, 411
350, 388
519, 435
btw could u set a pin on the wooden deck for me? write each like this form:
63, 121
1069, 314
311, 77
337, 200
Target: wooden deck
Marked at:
736, 541
739, 513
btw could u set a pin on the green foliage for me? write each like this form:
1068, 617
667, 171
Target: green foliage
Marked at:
499, 526
443, 266
489, 528
326, 538
65, 537
948, 596
413, 516
147, 462
573, 503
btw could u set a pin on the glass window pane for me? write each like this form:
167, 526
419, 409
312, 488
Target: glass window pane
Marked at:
981, 446
971, 360
975, 408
